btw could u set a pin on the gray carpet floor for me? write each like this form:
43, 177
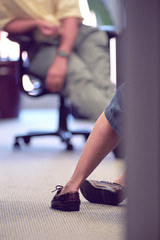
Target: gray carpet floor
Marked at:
28, 176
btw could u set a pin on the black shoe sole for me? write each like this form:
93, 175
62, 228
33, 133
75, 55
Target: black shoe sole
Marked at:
68, 207
98, 195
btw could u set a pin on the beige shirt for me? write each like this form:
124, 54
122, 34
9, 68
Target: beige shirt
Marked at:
50, 10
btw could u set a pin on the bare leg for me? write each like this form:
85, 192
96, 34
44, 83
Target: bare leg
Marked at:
121, 180
101, 141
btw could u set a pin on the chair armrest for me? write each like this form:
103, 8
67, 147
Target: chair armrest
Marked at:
24, 40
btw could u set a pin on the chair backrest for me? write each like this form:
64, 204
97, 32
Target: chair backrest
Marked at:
116, 9
109, 13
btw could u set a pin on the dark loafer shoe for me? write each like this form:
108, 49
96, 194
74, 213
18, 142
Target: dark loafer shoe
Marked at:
65, 202
102, 192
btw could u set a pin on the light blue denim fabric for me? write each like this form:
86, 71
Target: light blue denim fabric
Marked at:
116, 110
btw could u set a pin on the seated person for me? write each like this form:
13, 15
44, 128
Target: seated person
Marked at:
71, 58
105, 136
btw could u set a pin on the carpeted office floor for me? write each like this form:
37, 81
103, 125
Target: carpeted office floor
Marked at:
28, 176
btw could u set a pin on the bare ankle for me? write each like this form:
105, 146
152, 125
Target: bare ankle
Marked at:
69, 187
120, 181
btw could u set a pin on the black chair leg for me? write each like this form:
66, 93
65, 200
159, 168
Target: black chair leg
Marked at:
63, 132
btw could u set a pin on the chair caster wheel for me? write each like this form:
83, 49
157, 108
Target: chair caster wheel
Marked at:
17, 145
26, 140
69, 146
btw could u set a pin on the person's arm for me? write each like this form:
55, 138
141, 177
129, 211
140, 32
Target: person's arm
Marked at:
19, 26
57, 72
69, 34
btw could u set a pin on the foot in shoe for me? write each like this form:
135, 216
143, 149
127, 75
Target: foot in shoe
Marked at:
102, 192
65, 202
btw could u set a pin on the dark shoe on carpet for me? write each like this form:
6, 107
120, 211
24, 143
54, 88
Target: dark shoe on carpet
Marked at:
102, 192
65, 202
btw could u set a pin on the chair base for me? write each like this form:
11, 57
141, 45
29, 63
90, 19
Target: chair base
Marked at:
63, 131
64, 135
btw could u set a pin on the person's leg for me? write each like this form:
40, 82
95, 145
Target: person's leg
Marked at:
91, 89
93, 49
41, 58
121, 180
105, 192
79, 85
84, 95
105, 136
100, 142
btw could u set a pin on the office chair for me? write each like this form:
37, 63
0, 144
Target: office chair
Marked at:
39, 90
63, 132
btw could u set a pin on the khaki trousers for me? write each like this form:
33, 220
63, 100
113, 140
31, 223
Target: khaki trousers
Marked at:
87, 83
